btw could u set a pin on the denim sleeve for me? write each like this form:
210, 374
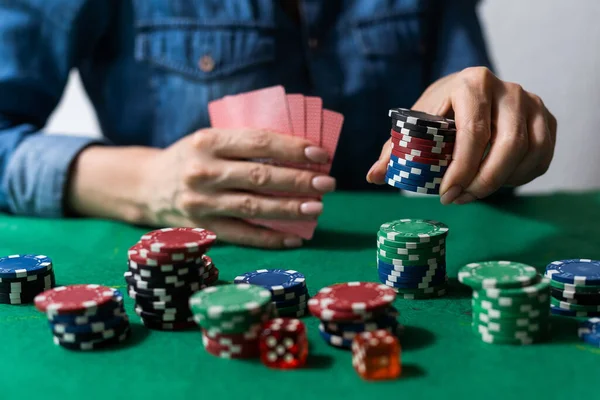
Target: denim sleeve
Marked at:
460, 40
40, 42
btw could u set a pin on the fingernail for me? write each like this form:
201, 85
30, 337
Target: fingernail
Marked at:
451, 195
292, 242
311, 208
316, 154
465, 198
324, 183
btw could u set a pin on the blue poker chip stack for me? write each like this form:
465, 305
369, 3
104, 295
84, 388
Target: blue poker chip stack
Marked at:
24, 276
288, 289
589, 331
341, 334
574, 287
421, 147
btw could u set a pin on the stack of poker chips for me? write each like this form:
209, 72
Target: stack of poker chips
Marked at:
575, 287
164, 269
348, 309
589, 331
85, 317
422, 146
24, 276
231, 318
510, 302
411, 257
289, 292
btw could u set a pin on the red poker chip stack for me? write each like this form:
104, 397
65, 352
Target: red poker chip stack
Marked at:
347, 309
238, 345
164, 269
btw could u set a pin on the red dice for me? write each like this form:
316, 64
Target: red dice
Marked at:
376, 355
283, 343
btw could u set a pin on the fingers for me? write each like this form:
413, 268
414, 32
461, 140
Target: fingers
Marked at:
541, 144
249, 205
264, 177
252, 143
509, 147
377, 172
242, 233
472, 102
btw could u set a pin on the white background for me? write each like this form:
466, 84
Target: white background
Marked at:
551, 47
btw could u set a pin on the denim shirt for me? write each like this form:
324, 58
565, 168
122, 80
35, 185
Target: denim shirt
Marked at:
151, 66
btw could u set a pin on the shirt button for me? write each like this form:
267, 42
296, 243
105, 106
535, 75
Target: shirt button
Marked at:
313, 43
206, 63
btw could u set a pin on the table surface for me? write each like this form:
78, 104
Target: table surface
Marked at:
441, 357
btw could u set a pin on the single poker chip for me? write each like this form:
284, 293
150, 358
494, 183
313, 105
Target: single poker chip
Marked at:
394, 254
425, 129
75, 299
290, 296
302, 299
423, 160
141, 254
430, 262
23, 265
576, 272
425, 251
93, 345
176, 240
574, 297
410, 245
357, 297
398, 161
425, 136
434, 282
497, 274
426, 184
413, 173
139, 284
395, 276
397, 147
217, 302
411, 188
97, 326
422, 296
413, 230
278, 281
325, 313
163, 317
575, 288
428, 144
572, 313
421, 118
169, 326
334, 340
421, 147
574, 307
167, 269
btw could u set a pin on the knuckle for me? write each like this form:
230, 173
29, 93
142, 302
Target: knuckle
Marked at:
260, 140
205, 138
488, 183
190, 202
198, 173
302, 181
248, 206
293, 208
477, 131
259, 175
537, 101
477, 75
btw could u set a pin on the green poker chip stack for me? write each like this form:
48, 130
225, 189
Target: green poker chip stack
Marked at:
411, 257
511, 302
231, 309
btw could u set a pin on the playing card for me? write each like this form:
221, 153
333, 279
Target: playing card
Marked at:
295, 104
314, 112
330, 134
258, 109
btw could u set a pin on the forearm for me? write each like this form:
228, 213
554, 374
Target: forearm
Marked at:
107, 182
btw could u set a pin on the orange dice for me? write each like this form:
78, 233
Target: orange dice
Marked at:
376, 355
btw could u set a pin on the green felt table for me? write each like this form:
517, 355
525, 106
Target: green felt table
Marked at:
441, 356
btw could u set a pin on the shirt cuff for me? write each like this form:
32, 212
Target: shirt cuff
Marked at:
37, 173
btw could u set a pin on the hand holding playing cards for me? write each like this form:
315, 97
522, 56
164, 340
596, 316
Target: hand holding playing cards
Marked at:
206, 180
